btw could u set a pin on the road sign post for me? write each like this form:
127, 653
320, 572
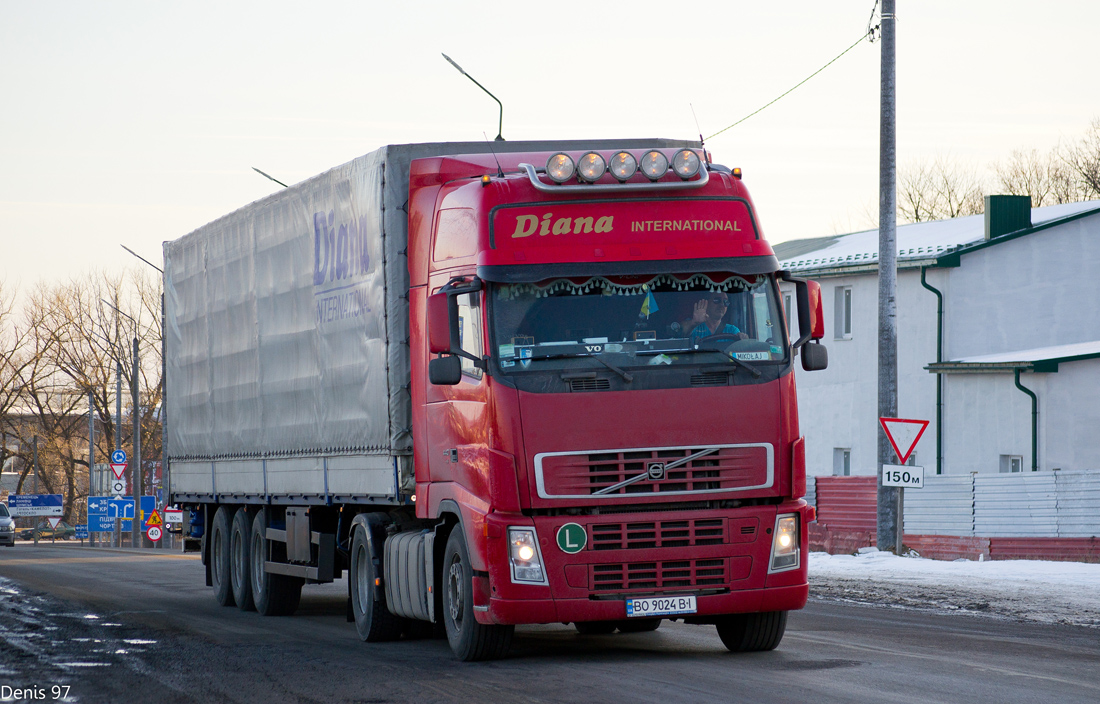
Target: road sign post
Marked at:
903, 434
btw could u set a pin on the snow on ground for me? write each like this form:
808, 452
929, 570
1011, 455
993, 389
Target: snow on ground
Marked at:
1031, 590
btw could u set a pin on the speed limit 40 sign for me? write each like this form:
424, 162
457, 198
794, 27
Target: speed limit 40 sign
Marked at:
903, 476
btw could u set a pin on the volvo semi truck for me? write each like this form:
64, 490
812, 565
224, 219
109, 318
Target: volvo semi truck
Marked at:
494, 385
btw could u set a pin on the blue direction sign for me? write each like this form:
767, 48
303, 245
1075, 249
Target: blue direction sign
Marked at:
81, 531
36, 504
103, 510
118, 457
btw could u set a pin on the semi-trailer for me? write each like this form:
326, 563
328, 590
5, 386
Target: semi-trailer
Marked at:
496, 384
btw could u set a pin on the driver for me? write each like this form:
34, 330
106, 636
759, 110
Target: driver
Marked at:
706, 318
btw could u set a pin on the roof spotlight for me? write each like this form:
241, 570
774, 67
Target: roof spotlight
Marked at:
591, 167
560, 168
654, 165
685, 163
623, 166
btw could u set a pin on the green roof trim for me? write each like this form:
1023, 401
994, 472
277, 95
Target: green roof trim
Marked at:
954, 259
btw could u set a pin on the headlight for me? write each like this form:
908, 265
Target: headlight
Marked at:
685, 163
560, 168
523, 551
623, 166
785, 543
654, 165
591, 167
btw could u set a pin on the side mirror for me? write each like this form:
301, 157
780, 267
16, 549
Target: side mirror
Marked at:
817, 315
814, 357
447, 371
439, 323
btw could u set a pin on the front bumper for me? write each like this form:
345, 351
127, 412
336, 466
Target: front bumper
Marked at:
7, 538
646, 554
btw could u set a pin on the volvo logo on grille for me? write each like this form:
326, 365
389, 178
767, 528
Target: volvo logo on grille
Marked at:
656, 470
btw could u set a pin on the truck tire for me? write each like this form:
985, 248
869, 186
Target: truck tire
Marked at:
272, 594
638, 625
373, 619
746, 633
240, 534
595, 628
219, 556
469, 639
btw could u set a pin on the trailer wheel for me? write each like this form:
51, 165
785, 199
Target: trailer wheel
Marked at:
373, 619
239, 544
595, 628
638, 625
745, 633
273, 594
219, 556
469, 639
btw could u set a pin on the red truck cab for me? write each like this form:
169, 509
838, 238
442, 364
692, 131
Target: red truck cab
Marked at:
603, 394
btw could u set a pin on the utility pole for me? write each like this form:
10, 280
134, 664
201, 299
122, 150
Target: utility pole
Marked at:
136, 459
91, 464
889, 519
35, 519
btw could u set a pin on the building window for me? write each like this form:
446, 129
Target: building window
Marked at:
912, 461
842, 313
842, 462
1011, 464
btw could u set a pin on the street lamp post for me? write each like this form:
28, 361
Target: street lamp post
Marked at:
136, 473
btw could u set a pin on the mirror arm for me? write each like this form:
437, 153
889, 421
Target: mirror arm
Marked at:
802, 291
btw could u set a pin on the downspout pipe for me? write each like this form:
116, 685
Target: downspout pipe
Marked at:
1034, 422
939, 377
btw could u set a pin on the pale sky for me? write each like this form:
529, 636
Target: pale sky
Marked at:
136, 122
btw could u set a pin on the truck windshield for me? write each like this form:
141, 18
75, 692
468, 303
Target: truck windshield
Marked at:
633, 322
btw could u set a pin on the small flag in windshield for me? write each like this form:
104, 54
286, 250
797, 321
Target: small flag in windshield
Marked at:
649, 305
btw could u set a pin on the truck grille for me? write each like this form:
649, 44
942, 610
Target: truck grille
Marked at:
672, 574
659, 534
729, 467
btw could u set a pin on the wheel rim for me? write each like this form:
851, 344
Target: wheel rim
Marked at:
362, 575
236, 552
219, 557
257, 557
454, 591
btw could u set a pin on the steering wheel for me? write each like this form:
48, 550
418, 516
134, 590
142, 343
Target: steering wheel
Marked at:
722, 337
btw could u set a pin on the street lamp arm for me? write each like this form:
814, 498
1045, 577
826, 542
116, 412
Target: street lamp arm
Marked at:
142, 258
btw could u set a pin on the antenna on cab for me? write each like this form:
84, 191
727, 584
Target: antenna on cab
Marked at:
706, 157
500, 125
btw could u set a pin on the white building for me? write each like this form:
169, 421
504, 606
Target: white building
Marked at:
1020, 293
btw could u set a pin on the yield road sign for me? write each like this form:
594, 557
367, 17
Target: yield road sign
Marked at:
53, 521
118, 457
903, 434
153, 533
118, 469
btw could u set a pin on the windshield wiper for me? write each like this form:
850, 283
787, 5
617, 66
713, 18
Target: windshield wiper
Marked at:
744, 365
627, 376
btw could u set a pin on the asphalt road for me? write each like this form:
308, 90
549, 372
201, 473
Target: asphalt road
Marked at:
140, 626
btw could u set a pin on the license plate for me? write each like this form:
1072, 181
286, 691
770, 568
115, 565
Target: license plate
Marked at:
660, 606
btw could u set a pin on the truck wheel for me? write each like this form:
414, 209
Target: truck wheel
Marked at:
746, 633
373, 619
219, 556
272, 594
239, 544
469, 639
595, 628
638, 625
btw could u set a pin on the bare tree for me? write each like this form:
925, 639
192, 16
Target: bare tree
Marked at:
1082, 159
937, 190
1048, 180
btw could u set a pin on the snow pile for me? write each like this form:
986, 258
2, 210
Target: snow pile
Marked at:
1033, 590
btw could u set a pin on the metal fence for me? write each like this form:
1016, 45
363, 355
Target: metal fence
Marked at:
1042, 505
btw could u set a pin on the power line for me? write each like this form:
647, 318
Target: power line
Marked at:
869, 33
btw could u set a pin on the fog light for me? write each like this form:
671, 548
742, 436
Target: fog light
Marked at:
591, 167
524, 556
685, 163
785, 543
560, 168
654, 165
623, 166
